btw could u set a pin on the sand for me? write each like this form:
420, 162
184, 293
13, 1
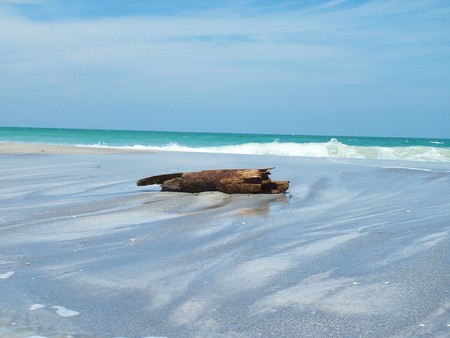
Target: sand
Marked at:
355, 248
36, 148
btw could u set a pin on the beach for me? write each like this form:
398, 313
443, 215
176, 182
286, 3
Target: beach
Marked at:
355, 248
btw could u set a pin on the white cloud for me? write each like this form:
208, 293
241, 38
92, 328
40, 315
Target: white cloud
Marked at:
156, 46
283, 53
120, 40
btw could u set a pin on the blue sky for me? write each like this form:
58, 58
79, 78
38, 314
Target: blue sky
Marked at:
329, 67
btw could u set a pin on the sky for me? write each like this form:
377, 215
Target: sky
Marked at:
325, 67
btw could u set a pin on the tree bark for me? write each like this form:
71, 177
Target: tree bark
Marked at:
231, 181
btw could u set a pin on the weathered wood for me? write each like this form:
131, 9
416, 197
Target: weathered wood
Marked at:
159, 179
231, 181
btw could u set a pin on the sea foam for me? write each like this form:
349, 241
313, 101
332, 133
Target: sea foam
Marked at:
332, 148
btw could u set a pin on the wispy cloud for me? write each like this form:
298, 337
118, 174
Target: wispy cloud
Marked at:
250, 46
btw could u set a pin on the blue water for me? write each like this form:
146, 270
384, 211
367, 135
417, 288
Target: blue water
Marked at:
419, 149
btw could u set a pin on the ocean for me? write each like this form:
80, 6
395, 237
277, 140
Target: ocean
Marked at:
389, 148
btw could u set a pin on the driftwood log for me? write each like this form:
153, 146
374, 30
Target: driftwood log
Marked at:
230, 181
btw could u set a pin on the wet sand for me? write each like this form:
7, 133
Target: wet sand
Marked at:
36, 148
355, 248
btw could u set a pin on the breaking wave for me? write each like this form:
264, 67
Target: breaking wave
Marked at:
332, 148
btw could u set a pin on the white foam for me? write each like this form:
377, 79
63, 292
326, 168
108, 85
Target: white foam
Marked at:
63, 312
332, 148
6, 275
403, 168
35, 307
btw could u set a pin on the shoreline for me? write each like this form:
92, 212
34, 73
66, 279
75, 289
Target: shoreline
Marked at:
43, 148
20, 148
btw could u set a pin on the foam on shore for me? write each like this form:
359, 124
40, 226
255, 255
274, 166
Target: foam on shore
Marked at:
331, 149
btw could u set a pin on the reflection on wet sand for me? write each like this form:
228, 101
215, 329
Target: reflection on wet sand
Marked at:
351, 252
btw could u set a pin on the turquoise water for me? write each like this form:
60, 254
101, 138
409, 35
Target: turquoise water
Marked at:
263, 144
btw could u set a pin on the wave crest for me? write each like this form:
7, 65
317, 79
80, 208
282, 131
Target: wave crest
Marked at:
332, 148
